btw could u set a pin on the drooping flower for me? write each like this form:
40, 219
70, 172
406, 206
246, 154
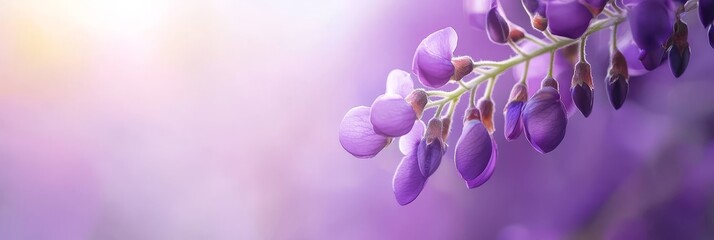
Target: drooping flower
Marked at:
431, 148
408, 181
568, 18
582, 88
391, 114
513, 125
432, 60
475, 152
617, 80
544, 118
357, 135
496, 26
651, 26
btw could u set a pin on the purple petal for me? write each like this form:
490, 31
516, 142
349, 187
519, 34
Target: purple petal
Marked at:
400, 83
476, 11
544, 120
408, 142
710, 33
488, 172
651, 26
513, 125
432, 60
568, 18
357, 135
496, 26
473, 150
429, 156
706, 12
408, 180
391, 115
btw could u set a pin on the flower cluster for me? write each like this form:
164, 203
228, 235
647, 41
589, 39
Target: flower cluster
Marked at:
652, 33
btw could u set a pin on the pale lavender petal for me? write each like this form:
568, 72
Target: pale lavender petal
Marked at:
400, 83
408, 142
473, 150
391, 115
488, 172
408, 180
357, 135
432, 59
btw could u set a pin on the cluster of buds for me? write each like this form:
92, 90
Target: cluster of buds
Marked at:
656, 31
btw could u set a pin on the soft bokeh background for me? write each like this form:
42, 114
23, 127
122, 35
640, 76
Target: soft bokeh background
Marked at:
217, 119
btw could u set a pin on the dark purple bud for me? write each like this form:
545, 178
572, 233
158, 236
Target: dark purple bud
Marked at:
473, 150
391, 115
432, 59
539, 22
706, 12
486, 109
357, 135
617, 80
462, 67
568, 18
679, 50
582, 88
545, 120
496, 26
408, 180
512, 112
431, 148
651, 25
516, 34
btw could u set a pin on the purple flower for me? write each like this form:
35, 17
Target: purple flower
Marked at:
408, 180
545, 120
617, 80
706, 12
488, 172
475, 151
357, 135
568, 18
562, 70
391, 115
650, 22
629, 49
582, 88
431, 148
513, 125
432, 60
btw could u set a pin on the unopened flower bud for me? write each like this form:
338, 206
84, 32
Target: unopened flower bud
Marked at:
486, 109
462, 67
539, 22
679, 50
706, 12
582, 88
513, 126
545, 120
549, 82
496, 26
537, 11
516, 33
617, 80
445, 127
431, 149
418, 100
471, 113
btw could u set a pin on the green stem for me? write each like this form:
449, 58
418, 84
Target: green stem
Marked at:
525, 73
504, 65
582, 47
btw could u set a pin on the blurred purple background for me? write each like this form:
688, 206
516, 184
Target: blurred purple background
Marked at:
160, 119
